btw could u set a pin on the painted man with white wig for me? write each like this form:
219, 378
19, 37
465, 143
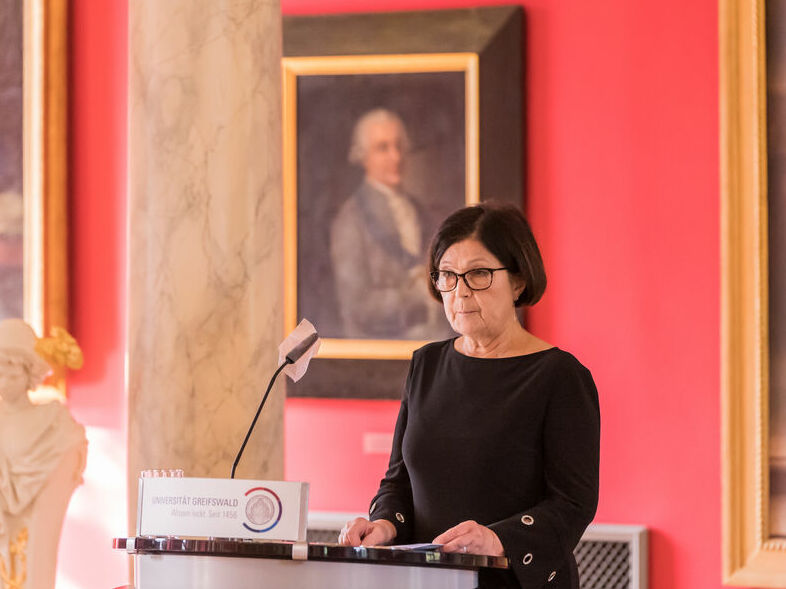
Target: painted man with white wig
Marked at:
377, 242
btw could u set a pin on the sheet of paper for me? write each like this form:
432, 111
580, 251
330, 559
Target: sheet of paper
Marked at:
298, 369
416, 547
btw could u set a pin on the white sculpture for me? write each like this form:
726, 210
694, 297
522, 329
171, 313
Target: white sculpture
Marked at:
42, 456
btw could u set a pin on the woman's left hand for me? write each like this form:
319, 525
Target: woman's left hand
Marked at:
472, 538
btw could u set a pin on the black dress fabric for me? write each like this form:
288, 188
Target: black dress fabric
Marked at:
512, 443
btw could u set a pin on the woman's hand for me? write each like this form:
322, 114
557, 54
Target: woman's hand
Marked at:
470, 537
361, 532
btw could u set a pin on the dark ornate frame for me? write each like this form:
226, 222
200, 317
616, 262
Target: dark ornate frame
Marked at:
485, 43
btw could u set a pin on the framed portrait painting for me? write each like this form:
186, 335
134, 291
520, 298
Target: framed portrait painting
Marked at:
753, 297
386, 147
33, 209
388, 124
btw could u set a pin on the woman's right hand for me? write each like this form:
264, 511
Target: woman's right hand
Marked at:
361, 532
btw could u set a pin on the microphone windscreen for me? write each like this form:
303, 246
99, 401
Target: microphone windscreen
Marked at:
297, 350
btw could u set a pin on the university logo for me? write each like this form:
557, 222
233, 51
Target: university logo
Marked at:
263, 509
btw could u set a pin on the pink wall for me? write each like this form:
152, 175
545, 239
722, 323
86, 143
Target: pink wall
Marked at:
623, 195
97, 393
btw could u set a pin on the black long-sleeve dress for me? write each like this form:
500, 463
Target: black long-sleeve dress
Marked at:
512, 443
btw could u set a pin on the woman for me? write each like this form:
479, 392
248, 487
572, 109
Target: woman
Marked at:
496, 445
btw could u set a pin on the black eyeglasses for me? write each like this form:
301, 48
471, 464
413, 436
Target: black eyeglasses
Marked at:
475, 279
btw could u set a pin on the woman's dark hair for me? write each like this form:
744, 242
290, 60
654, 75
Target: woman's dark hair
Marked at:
504, 231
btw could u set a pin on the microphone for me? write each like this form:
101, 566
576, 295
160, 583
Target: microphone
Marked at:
295, 354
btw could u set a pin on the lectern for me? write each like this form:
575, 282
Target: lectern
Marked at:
166, 562
197, 533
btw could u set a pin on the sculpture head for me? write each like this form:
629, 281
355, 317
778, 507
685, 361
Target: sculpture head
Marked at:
21, 368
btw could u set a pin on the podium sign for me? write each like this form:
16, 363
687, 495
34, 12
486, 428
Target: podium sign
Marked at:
222, 508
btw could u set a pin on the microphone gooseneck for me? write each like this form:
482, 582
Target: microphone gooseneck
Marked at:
259, 410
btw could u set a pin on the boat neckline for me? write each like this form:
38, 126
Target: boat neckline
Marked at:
452, 345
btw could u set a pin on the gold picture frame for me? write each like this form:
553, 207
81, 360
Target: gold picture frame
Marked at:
751, 556
296, 67
45, 115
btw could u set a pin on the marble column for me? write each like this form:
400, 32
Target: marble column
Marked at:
205, 236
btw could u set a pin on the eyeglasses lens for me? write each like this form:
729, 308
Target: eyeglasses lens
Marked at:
479, 279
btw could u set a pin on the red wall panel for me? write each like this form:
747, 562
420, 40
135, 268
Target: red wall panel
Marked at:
622, 193
97, 174
326, 438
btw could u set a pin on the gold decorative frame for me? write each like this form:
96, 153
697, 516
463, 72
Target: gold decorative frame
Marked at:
292, 68
44, 173
751, 557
